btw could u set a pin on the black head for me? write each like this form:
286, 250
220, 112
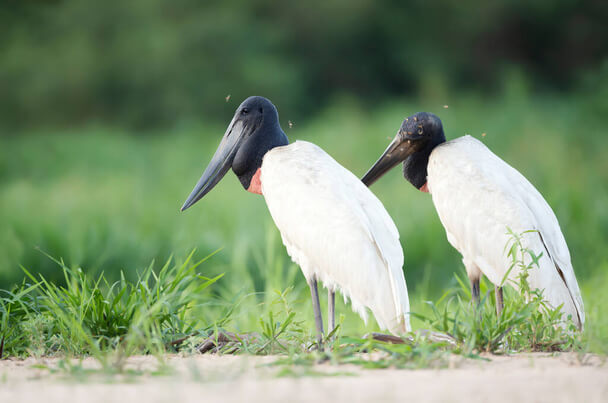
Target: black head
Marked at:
423, 126
418, 136
253, 131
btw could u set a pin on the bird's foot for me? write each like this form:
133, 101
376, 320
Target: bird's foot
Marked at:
227, 342
387, 338
436, 337
317, 346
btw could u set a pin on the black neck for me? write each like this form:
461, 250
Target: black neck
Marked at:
415, 166
251, 154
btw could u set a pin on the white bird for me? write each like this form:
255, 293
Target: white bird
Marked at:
478, 198
332, 225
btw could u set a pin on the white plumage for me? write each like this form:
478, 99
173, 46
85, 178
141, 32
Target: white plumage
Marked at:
478, 196
337, 231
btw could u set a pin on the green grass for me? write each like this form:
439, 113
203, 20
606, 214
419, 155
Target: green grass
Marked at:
91, 316
165, 312
526, 323
108, 202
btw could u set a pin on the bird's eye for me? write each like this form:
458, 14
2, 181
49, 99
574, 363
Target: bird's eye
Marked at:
245, 111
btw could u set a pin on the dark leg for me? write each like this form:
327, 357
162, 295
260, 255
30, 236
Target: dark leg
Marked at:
475, 290
331, 311
317, 309
499, 300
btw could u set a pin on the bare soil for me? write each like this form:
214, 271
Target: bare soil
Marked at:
210, 378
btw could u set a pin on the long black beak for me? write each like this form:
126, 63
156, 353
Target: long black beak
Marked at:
397, 151
220, 163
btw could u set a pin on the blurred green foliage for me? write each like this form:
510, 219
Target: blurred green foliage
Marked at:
151, 63
78, 78
109, 201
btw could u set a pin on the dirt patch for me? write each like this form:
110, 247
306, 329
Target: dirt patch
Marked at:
532, 377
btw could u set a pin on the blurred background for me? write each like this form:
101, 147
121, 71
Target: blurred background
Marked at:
109, 111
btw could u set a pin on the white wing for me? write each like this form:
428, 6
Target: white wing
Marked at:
478, 196
337, 231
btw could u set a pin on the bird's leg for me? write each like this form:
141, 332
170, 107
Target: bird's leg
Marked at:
499, 300
331, 310
317, 309
475, 290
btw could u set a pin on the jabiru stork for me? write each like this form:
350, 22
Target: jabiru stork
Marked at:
478, 197
332, 225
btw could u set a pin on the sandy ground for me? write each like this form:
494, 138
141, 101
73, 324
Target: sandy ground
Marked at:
210, 378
